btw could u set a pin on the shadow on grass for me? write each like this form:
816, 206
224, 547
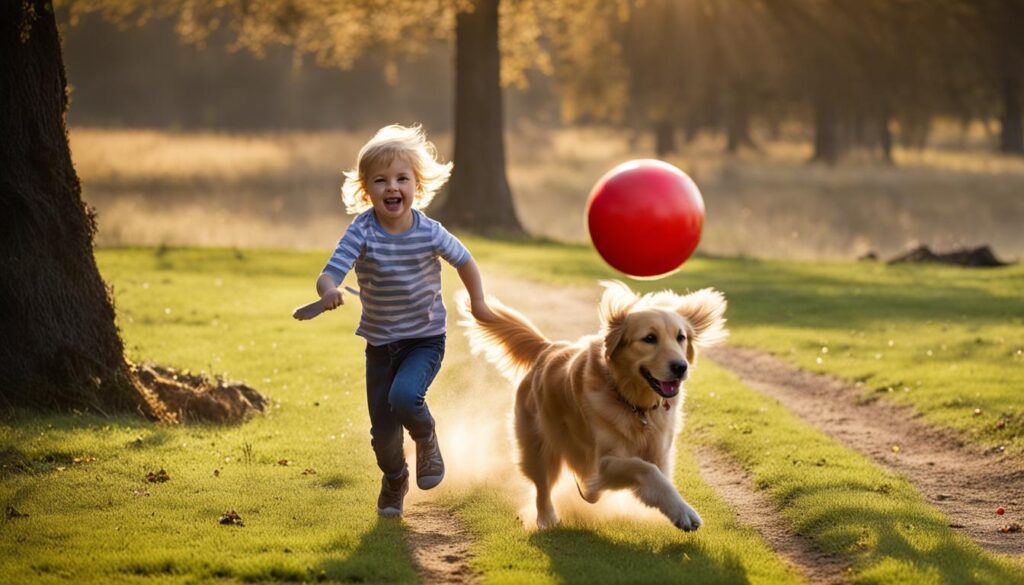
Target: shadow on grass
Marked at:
581, 556
913, 542
379, 556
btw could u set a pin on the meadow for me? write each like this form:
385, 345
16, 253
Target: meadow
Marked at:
282, 190
302, 476
209, 240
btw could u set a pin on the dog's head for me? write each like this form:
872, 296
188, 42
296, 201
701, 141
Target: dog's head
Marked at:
651, 341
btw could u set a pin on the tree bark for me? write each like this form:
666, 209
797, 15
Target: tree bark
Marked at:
59, 346
478, 197
1011, 137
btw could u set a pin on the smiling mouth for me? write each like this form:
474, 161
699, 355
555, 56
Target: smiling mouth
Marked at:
664, 389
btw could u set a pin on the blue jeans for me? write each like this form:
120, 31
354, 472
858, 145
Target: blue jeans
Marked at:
397, 378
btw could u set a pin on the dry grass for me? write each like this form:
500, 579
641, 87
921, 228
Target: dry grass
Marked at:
281, 189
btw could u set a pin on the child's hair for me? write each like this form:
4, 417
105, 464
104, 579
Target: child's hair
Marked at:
409, 144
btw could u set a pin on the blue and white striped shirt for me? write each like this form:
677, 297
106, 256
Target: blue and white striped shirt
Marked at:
399, 275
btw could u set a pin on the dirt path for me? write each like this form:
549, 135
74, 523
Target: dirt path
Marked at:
733, 485
962, 481
439, 544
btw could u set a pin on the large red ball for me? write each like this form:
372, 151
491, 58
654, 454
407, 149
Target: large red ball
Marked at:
645, 218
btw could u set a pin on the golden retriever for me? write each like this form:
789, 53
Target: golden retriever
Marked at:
609, 405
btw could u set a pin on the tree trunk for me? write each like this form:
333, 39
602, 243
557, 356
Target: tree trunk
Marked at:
664, 138
827, 141
1011, 137
59, 347
738, 125
885, 138
478, 196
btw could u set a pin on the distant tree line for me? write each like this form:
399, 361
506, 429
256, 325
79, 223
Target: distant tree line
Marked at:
862, 73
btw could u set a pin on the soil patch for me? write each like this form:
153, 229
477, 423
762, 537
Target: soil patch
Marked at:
754, 509
439, 544
965, 482
181, 396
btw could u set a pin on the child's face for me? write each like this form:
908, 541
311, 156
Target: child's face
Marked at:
392, 190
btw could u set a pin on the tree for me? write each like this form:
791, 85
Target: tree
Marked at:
337, 33
60, 346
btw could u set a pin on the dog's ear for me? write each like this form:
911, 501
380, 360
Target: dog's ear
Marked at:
615, 305
704, 312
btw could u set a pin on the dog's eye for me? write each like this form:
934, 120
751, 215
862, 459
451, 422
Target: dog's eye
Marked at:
651, 338
680, 337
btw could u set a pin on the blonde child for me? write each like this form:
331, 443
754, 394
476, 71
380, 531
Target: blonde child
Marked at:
394, 248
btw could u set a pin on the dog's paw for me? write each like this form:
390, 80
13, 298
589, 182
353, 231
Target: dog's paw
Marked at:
546, 520
686, 518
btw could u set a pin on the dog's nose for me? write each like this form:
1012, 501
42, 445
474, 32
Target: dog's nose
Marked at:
678, 368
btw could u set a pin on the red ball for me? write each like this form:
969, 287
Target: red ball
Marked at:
645, 218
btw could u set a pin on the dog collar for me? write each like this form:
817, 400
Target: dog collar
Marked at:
640, 411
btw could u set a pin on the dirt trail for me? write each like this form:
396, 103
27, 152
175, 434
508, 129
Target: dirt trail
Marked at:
439, 544
754, 509
959, 479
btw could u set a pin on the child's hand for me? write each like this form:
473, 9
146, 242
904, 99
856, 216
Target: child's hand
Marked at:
481, 312
332, 299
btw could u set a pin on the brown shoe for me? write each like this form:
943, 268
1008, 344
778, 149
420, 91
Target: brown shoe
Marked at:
429, 465
392, 496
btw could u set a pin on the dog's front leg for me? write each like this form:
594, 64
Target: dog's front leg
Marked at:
648, 483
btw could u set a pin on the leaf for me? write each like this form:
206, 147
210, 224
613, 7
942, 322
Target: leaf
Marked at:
231, 518
158, 477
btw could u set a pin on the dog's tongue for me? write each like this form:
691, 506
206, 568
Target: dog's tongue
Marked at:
669, 389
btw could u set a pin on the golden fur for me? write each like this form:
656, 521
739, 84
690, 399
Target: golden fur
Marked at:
592, 404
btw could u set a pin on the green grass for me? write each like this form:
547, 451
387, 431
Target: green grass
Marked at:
944, 340
585, 549
843, 502
970, 319
218, 311
226, 311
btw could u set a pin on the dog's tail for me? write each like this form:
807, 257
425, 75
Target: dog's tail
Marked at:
512, 343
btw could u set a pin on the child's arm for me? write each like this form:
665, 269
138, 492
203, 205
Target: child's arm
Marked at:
330, 295
470, 275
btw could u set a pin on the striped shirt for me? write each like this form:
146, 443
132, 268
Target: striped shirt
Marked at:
399, 275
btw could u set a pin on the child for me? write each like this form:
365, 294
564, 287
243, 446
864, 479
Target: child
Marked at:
394, 249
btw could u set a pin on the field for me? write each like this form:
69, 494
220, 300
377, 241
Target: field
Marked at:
282, 190
302, 477
862, 425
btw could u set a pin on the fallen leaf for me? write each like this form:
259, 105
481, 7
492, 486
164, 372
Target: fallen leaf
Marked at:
284, 462
138, 493
216, 473
158, 477
309, 471
231, 518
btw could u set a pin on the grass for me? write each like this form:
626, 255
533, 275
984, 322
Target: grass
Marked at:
98, 520
844, 503
946, 341
93, 517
